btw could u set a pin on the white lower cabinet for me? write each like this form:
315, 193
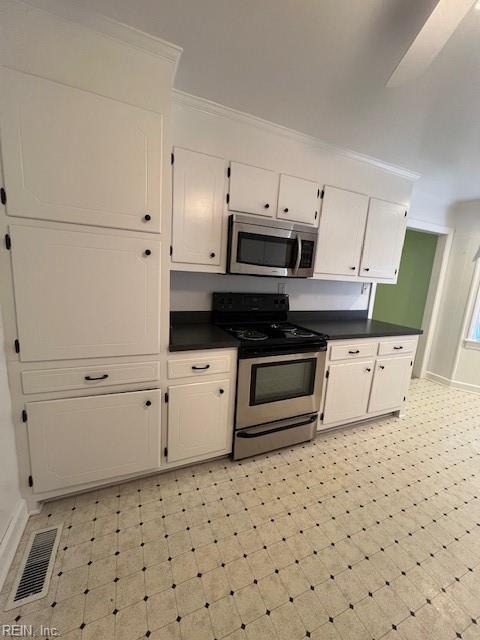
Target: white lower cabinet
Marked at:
390, 383
93, 438
199, 419
348, 390
360, 382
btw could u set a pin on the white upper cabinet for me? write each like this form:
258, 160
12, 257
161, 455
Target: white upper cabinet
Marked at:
390, 383
199, 183
253, 190
199, 420
74, 156
80, 294
341, 232
384, 236
298, 200
81, 440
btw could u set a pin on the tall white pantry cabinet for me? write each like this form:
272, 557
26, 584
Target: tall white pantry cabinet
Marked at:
85, 236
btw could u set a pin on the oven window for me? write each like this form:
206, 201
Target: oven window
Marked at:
276, 381
266, 251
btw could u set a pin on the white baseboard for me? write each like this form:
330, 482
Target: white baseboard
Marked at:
456, 384
9, 543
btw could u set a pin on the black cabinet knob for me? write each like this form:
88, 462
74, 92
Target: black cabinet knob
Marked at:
147, 217
381, 366
148, 252
266, 205
285, 210
353, 268
221, 390
366, 268
367, 369
212, 255
148, 403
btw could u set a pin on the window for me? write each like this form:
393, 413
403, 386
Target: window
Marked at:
473, 336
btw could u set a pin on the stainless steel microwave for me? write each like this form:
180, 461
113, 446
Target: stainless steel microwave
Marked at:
265, 247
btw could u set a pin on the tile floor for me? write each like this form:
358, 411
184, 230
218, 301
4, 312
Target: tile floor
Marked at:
368, 532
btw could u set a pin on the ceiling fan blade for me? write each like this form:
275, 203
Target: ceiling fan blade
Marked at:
430, 40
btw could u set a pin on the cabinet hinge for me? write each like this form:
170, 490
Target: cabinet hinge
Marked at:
165, 452
16, 345
321, 416
3, 195
229, 172
8, 241
166, 397
171, 250
24, 416
172, 158
228, 198
327, 375
322, 193
30, 481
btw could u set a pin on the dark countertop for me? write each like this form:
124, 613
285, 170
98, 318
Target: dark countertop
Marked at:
194, 330
199, 335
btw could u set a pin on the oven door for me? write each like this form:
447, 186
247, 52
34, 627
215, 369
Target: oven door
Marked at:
273, 388
270, 251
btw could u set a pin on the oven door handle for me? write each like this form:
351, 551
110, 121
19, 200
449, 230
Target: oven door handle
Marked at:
245, 434
299, 255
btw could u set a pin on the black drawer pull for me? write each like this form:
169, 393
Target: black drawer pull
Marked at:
354, 352
147, 252
366, 268
212, 255
367, 369
148, 403
285, 210
195, 368
147, 217
381, 366
353, 268
92, 378
221, 390
266, 206
397, 348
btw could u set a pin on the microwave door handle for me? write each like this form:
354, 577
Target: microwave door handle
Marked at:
299, 255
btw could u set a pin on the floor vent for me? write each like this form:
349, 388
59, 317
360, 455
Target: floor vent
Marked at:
33, 578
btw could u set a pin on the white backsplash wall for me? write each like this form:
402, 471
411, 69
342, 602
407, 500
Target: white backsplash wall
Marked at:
193, 291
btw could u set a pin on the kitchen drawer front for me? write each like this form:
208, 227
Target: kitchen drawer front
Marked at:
353, 350
44, 380
396, 347
196, 366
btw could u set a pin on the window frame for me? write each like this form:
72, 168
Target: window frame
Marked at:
471, 342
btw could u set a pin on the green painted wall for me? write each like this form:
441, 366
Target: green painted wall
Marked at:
404, 303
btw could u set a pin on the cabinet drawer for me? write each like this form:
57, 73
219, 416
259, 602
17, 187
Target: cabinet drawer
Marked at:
43, 380
396, 347
354, 350
198, 366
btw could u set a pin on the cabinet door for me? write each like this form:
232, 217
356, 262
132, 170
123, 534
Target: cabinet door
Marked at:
198, 207
341, 231
390, 383
75, 156
88, 439
384, 238
348, 390
298, 200
80, 294
252, 190
199, 420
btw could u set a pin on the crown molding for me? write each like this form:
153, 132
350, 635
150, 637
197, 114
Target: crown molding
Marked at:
109, 27
214, 108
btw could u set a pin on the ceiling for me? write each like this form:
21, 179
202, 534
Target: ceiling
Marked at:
320, 67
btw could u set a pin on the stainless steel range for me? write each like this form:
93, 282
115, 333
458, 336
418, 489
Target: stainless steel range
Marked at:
280, 372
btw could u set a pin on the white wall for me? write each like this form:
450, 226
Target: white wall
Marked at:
203, 126
192, 291
12, 506
450, 359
